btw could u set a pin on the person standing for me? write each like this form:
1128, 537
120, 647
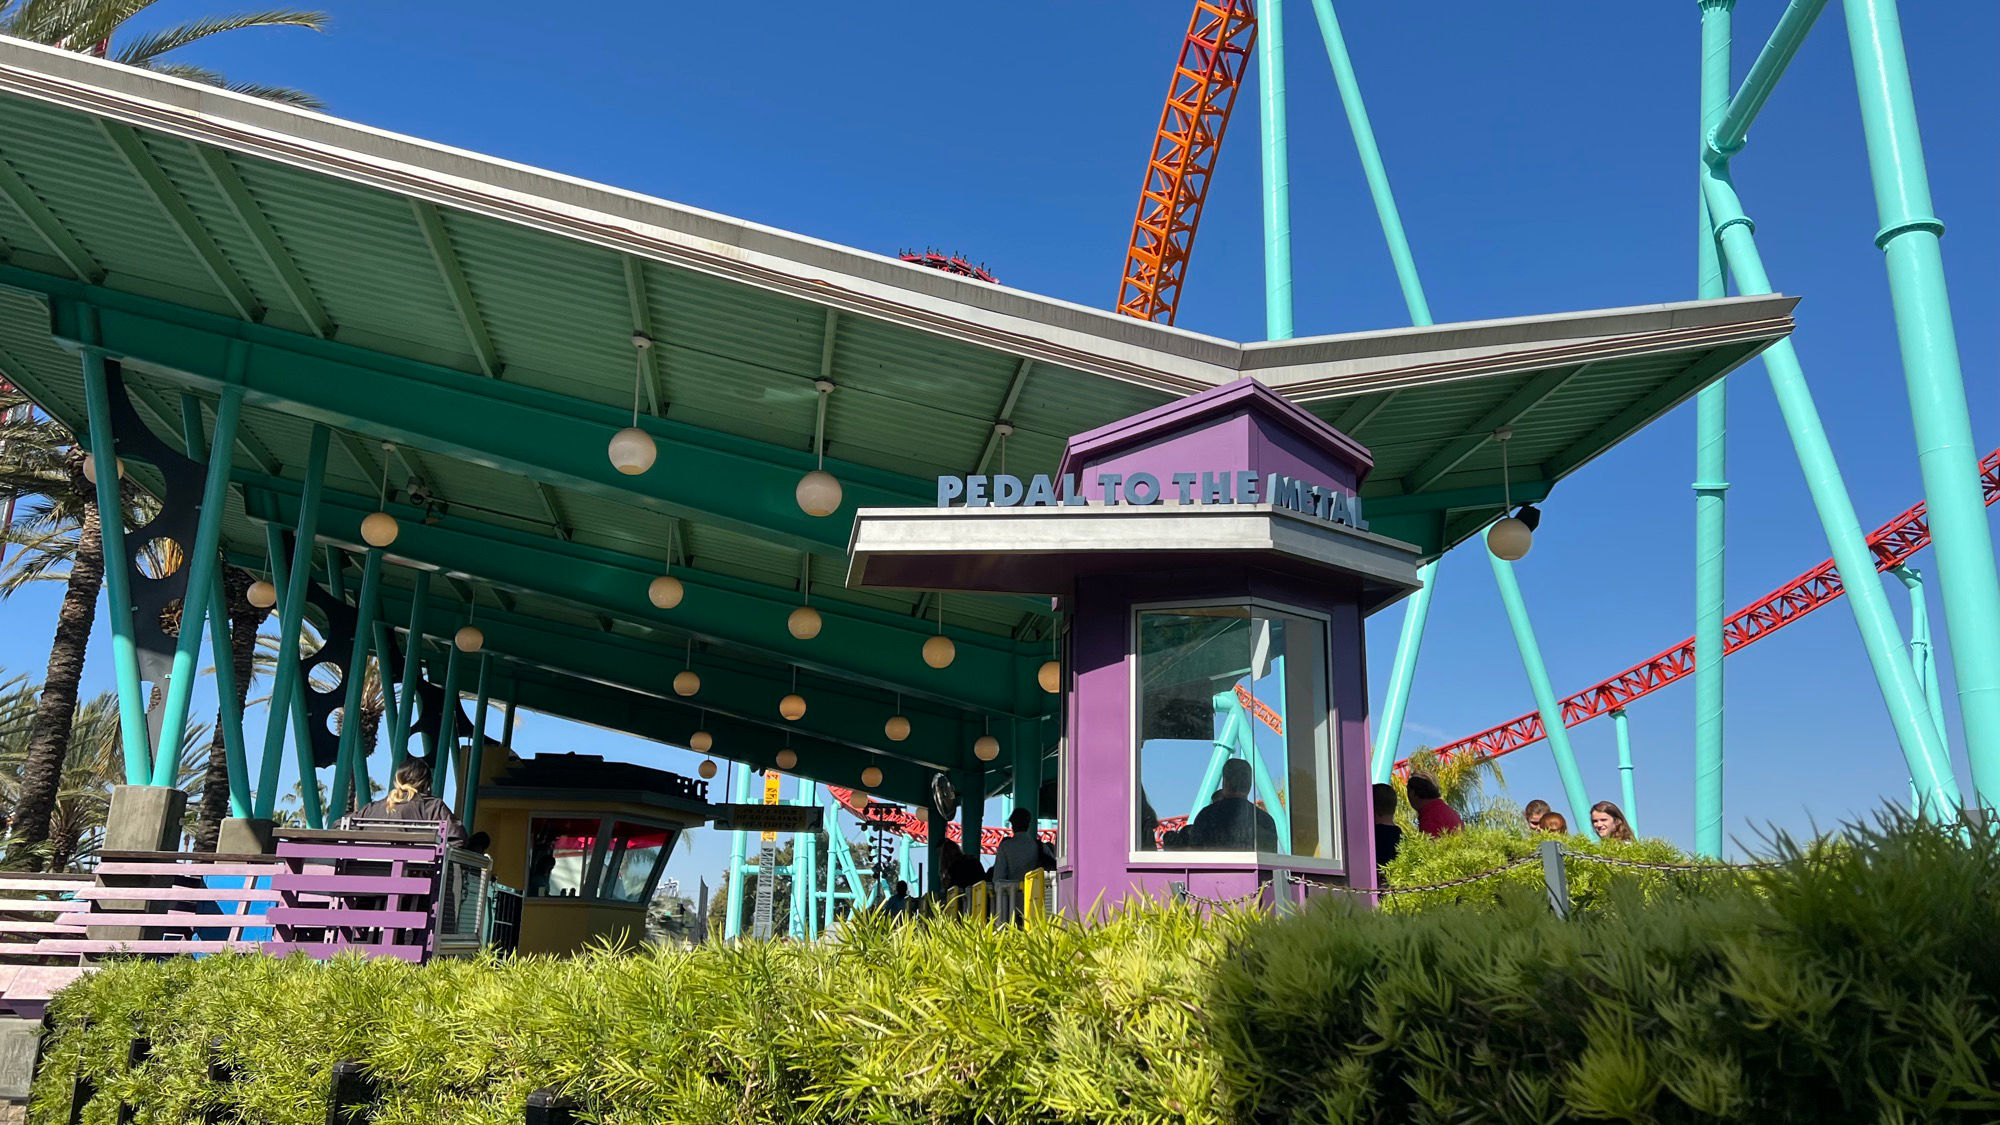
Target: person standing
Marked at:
1608, 821
899, 905
1554, 823
1231, 822
1388, 834
1536, 810
1434, 817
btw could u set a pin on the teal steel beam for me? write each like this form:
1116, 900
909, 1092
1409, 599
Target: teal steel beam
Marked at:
229, 701
204, 571
406, 703
1622, 724
1538, 683
1403, 674
1725, 136
1961, 541
132, 729
292, 703
385, 633
48, 228
507, 722
642, 322
537, 434
1916, 733
269, 246
438, 239
732, 916
1923, 654
154, 179
1711, 474
836, 712
351, 766
991, 673
468, 778
1453, 453
1277, 170
291, 618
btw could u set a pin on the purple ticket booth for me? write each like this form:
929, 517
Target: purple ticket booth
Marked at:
1215, 569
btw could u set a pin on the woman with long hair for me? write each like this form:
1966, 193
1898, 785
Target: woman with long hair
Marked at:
1608, 820
410, 799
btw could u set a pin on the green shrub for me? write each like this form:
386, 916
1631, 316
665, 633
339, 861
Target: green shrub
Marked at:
1423, 861
1857, 983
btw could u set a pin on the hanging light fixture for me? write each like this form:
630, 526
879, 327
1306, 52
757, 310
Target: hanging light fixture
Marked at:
470, 638
701, 742
666, 591
706, 769
939, 651
632, 449
1049, 675
898, 727
804, 622
793, 706
871, 777
1511, 536
687, 681
379, 528
818, 492
262, 594
787, 758
90, 468
986, 747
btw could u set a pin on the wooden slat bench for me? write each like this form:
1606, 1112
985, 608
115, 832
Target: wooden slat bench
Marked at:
30, 905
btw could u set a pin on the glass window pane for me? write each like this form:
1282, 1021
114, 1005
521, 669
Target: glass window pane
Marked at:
1232, 725
635, 852
559, 855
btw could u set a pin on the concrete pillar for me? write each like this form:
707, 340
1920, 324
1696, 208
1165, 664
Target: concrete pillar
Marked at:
144, 818
20, 1051
244, 835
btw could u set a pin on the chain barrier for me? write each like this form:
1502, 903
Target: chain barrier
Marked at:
1651, 865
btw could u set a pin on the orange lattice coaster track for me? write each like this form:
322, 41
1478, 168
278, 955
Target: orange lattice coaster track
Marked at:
1206, 78
1260, 709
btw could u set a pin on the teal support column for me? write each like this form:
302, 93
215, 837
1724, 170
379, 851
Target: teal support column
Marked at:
202, 558
293, 705
384, 634
291, 618
1631, 806
1545, 696
1711, 471
132, 729
350, 770
1903, 695
972, 811
468, 779
732, 917
1417, 611
1277, 170
406, 705
507, 719
447, 737
230, 708
1923, 658
1027, 793
1961, 541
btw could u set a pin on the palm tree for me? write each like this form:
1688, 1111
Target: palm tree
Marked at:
91, 25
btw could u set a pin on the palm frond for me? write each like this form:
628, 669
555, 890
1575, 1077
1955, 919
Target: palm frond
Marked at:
192, 73
283, 95
148, 47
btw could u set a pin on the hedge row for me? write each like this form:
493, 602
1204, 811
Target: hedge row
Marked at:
1857, 983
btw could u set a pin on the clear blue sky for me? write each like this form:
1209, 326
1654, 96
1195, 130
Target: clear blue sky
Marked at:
1544, 158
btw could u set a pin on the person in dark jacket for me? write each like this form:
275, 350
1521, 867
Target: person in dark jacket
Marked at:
410, 799
1388, 834
1231, 822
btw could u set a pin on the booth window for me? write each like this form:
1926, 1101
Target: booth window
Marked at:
593, 858
1232, 728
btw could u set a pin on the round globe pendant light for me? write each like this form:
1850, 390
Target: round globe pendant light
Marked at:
1050, 676
469, 638
378, 528
871, 777
1511, 537
939, 651
262, 594
687, 681
897, 728
787, 758
665, 592
632, 450
818, 492
701, 742
804, 623
793, 707
706, 769
986, 748
90, 468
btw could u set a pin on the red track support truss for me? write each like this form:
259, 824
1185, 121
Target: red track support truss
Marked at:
1893, 543
1206, 78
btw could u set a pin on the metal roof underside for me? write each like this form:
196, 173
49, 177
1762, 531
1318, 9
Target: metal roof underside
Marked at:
478, 314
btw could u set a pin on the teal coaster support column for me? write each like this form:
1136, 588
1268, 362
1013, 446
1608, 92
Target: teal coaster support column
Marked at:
447, 738
406, 704
1277, 170
291, 619
1961, 540
1538, 683
732, 917
1417, 611
350, 770
1916, 733
202, 558
1923, 658
468, 779
1711, 471
1631, 806
132, 729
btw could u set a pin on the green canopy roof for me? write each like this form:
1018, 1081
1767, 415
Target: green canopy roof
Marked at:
478, 316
